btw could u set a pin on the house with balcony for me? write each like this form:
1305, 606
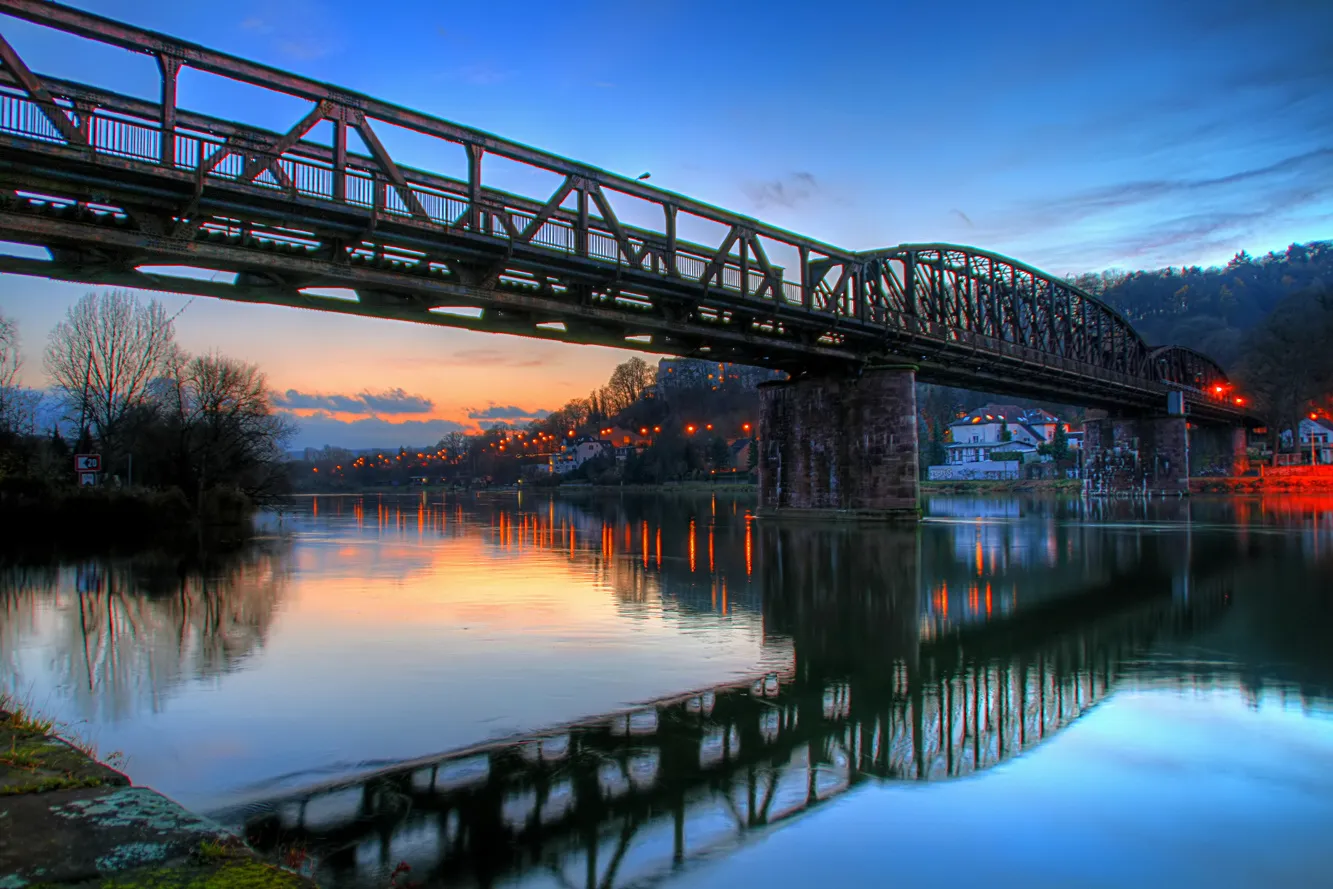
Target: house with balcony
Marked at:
1316, 434
1003, 430
996, 426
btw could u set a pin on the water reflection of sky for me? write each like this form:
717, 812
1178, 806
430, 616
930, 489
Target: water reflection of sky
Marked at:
1149, 789
1191, 637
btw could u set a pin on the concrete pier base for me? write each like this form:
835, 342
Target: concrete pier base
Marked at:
1136, 456
842, 447
1218, 450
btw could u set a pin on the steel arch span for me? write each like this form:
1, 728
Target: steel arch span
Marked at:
116, 188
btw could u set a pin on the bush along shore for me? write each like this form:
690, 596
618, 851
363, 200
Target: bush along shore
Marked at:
42, 516
67, 819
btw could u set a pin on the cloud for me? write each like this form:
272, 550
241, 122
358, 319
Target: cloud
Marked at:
321, 428
505, 412
787, 191
390, 401
1314, 167
486, 358
1170, 220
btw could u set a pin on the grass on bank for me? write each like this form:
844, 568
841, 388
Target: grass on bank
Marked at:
37, 754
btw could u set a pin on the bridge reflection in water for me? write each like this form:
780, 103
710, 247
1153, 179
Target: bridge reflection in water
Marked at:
899, 672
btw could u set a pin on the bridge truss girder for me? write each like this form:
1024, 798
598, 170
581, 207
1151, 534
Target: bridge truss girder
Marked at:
88, 173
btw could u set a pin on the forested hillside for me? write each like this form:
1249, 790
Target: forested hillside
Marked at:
1212, 309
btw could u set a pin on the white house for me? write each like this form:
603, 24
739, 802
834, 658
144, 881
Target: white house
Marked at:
1317, 438
979, 433
576, 453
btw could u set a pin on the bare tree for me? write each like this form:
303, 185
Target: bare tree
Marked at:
454, 444
227, 430
10, 360
106, 354
628, 382
18, 405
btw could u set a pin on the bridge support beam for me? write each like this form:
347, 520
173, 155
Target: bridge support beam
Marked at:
841, 446
1136, 456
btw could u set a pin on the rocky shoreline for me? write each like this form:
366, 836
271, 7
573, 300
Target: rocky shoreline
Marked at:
67, 820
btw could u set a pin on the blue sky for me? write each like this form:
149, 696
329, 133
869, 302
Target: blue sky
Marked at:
1074, 137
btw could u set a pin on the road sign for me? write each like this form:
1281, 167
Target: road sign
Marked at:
87, 462
87, 478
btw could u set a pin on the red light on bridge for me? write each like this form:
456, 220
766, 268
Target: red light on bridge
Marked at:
1239, 400
745, 427
690, 429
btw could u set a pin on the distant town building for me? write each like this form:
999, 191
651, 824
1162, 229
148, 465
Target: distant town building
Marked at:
1317, 438
580, 451
695, 373
998, 430
740, 453
979, 433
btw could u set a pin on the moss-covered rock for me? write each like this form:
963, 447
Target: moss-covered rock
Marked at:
34, 762
225, 873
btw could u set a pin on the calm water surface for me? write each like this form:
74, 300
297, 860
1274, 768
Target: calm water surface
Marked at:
645, 690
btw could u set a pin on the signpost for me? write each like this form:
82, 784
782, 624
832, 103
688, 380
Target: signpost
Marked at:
87, 466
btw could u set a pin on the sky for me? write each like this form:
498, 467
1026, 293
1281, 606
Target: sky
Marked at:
1074, 137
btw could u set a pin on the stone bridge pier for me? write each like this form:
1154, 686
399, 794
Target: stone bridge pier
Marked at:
1217, 449
1152, 455
1135, 455
840, 445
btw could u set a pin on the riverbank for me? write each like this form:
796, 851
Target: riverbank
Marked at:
690, 487
69, 519
1005, 486
67, 819
1279, 480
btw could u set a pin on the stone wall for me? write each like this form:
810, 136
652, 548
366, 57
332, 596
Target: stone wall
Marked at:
1136, 456
1217, 450
840, 444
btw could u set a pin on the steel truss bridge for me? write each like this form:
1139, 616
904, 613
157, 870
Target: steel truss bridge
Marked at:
633, 797
114, 186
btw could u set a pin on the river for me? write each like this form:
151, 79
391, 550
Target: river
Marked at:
623, 691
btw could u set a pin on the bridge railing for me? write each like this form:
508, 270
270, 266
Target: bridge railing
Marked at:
303, 172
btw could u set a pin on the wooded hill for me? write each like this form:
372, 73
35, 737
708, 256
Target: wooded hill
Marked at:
1212, 309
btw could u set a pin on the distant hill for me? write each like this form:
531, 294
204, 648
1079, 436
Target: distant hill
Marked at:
1212, 309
